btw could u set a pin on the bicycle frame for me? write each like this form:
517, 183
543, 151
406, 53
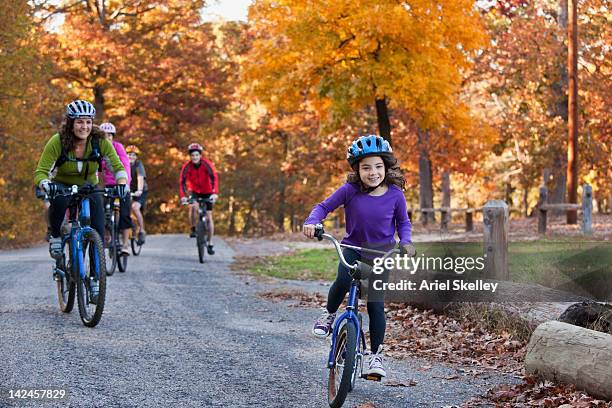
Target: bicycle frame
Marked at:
76, 235
350, 315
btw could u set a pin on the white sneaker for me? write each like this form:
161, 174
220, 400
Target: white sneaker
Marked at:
375, 364
323, 325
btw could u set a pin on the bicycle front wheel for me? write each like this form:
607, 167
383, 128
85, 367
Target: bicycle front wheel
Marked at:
91, 305
111, 250
201, 240
65, 282
341, 375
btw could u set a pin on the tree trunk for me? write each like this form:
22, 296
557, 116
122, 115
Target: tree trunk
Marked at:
98, 91
570, 354
425, 177
382, 115
280, 219
446, 196
559, 108
233, 208
572, 123
249, 218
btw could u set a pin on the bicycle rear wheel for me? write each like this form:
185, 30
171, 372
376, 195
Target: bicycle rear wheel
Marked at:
341, 375
91, 308
201, 240
66, 287
136, 247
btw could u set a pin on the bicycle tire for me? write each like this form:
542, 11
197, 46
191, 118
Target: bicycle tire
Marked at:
66, 288
111, 259
122, 261
341, 375
201, 240
92, 245
136, 248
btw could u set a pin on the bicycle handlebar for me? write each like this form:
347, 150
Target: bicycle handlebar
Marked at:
362, 268
74, 190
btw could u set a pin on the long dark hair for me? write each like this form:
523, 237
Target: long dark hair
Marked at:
393, 174
68, 137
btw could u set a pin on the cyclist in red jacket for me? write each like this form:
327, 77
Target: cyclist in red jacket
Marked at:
199, 179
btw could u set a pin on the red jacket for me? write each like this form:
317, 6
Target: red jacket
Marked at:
201, 179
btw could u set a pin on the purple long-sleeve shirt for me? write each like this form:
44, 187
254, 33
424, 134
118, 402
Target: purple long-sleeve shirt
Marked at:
371, 221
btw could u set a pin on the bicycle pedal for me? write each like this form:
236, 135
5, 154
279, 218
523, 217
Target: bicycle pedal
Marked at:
372, 377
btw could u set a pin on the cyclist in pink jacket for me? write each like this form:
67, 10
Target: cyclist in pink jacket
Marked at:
125, 220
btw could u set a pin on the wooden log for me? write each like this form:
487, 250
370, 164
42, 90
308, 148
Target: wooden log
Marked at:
570, 354
495, 219
562, 206
541, 211
587, 209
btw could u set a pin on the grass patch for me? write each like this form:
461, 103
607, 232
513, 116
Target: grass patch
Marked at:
305, 264
566, 265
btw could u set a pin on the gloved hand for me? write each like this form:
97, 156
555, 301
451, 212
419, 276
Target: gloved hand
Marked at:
45, 185
123, 190
214, 197
184, 200
407, 249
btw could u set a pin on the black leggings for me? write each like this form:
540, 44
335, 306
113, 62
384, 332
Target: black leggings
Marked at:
339, 289
58, 208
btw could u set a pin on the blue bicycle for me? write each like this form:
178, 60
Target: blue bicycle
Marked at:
348, 343
81, 268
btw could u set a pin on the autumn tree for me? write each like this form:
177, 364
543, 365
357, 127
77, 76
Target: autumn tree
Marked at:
27, 105
348, 54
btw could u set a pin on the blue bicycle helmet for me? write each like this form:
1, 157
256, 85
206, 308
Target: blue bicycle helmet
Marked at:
371, 145
80, 109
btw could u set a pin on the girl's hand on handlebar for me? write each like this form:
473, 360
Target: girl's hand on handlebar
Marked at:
184, 200
309, 230
408, 249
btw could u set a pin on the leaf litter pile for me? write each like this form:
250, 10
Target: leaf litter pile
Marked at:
412, 332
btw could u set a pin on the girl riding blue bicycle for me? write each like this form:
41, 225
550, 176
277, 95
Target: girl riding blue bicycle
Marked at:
375, 208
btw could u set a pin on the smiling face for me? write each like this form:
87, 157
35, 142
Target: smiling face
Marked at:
133, 157
372, 171
195, 157
82, 128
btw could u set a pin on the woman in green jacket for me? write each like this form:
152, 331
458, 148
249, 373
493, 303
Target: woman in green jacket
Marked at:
72, 157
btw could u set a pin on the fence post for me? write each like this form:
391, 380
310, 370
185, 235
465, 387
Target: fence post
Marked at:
495, 219
469, 220
444, 217
587, 209
542, 212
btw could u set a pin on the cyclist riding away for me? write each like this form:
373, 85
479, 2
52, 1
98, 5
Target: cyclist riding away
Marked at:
140, 188
199, 179
125, 219
375, 208
76, 153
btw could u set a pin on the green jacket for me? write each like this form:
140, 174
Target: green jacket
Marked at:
71, 172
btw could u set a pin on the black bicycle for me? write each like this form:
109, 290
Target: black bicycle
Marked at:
112, 211
81, 267
135, 242
202, 231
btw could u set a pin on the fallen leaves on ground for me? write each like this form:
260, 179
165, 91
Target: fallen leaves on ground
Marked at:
304, 299
423, 333
534, 393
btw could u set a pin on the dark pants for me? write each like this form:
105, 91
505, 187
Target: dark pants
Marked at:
125, 212
376, 310
57, 211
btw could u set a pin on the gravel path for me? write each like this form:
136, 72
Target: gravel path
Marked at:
179, 334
